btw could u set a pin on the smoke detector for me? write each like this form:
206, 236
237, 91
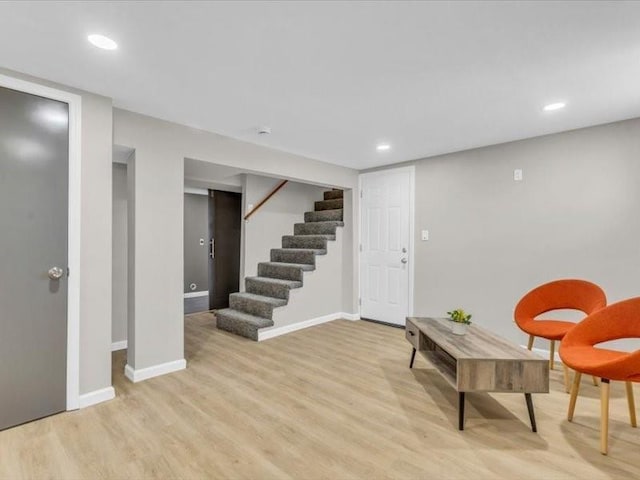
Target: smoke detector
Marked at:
264, 130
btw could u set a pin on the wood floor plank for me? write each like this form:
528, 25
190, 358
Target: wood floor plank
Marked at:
334, 401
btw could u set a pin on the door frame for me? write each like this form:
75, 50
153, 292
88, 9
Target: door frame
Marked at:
411, 169
74, 215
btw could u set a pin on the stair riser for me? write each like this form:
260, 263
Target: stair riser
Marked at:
252, 307
282, 255
333, 194
314, 228
234, 326
324, 216
328, 204
303, 242
270, 290
280, 271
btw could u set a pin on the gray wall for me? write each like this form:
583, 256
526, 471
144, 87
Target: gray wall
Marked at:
196, 256
119, 249
95, 247
322, 293
328, 289
492, 239
156, 323
264, 230
95, 296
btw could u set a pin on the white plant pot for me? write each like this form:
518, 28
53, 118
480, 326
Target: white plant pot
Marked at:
459, 328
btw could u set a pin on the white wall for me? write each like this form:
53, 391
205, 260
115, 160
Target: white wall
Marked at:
575, 214
95, 226
119, 249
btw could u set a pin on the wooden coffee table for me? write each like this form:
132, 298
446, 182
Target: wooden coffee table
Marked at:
478, 361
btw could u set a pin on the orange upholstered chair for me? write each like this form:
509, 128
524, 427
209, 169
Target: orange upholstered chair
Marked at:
577, 350
568, 294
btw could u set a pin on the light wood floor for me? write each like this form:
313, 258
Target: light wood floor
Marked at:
335, 401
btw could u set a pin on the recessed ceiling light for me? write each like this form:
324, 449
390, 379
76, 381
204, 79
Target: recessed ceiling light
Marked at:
383, 147
554, 106
102, 42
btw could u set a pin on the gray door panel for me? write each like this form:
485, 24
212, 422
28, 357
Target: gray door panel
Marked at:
34, 158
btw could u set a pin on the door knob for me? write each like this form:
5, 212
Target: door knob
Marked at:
55, 273
404, 260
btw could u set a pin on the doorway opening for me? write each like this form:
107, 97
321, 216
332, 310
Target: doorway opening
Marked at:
212, 235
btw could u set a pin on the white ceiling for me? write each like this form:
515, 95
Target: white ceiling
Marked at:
333, 79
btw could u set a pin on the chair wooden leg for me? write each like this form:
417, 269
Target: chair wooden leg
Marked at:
530, 344
575, 388
595, 381
567, 387
632, 404
604, 416
552, 354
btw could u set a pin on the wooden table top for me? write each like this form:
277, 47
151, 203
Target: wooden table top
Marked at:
477, 344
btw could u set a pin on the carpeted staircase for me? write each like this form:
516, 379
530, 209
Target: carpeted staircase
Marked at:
252, 310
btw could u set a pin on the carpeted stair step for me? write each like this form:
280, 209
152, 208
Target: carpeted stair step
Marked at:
284, 271
270, 287
333, 194
328, 204
296, 255
306, 241
258, 305
324, 216
252, 310
241, 323
316, 228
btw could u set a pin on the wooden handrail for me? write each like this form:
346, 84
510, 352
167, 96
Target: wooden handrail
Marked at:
266, 199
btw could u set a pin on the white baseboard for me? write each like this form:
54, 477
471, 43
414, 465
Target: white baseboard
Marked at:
196, 294
121, 345
97, 396
154, 371
277, 331
544, 353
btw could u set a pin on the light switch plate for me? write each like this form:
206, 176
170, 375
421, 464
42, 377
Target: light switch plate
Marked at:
517, 174
425, 235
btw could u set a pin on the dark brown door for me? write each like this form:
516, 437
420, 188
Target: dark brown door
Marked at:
225, 217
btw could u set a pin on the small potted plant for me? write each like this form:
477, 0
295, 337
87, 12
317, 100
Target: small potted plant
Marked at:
460, 321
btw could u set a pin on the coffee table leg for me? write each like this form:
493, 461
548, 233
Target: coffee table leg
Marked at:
460, 410
413, 357
532, 415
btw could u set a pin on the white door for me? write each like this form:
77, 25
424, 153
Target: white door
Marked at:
386, 212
